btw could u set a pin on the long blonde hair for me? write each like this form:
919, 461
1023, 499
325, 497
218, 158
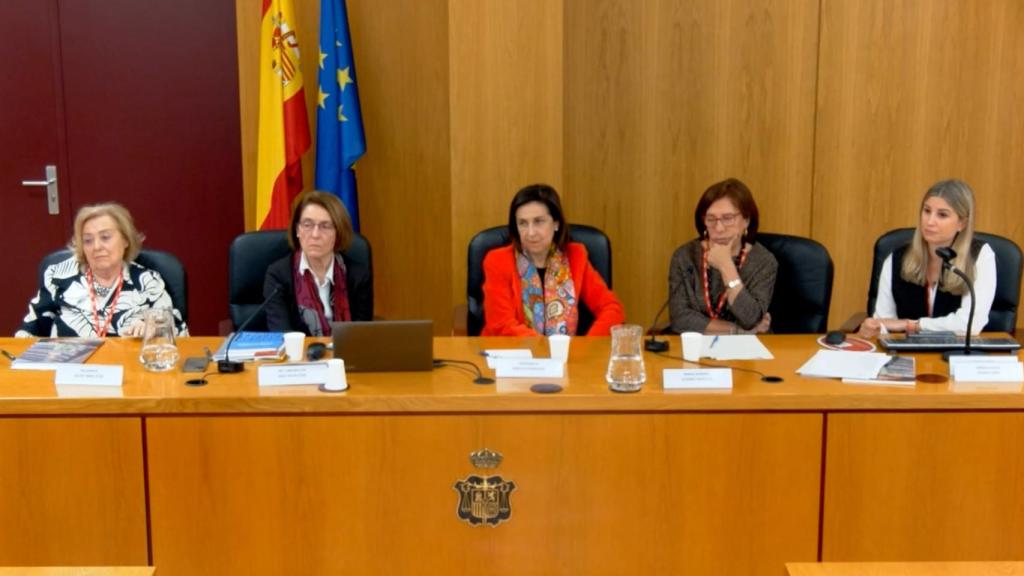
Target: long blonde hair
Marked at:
960, 198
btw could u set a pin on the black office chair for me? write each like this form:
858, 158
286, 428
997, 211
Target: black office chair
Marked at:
1003, 316
165, 263
803, 286
249, 257
599, 252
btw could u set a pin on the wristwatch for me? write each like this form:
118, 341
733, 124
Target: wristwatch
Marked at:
734, 283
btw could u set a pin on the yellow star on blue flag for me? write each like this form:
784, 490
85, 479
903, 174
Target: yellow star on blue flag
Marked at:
340, 140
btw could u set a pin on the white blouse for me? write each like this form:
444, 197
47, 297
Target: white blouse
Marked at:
984, 288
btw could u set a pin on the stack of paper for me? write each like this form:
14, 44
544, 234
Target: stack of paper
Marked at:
736, 347
838, 364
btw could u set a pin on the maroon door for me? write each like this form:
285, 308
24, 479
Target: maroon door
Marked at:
29, 113
150, 115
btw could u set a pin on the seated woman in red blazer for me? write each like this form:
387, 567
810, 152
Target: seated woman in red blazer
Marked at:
536, 284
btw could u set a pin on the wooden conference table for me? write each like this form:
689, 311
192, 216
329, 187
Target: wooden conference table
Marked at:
232, 478
73, 571
908, 569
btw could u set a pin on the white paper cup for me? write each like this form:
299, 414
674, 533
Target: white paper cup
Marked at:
336, 375
293, 344
558, 344
692, 343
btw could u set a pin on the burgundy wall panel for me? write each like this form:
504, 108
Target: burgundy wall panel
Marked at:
29, 140
151, 93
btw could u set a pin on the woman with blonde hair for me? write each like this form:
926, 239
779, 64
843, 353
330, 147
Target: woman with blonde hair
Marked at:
914, 293
100, 290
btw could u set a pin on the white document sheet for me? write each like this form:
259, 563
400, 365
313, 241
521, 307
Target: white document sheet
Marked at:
735, 347
838, 364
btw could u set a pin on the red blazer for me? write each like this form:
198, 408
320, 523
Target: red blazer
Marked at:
503, 305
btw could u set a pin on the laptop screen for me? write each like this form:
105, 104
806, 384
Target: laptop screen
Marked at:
384, 346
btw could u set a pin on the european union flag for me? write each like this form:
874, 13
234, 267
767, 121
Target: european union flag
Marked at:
339, 135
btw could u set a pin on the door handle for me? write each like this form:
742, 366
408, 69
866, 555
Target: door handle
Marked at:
52, 197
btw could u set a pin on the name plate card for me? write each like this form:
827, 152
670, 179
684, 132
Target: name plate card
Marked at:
499, 353
89, 375
528, 368
697, 379
292, 374
88, 391
986, 369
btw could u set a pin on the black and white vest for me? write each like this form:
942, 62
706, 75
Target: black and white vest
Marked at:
910, 298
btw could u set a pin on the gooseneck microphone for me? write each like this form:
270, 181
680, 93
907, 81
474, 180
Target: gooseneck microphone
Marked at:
227, 366
947, 255
653, 344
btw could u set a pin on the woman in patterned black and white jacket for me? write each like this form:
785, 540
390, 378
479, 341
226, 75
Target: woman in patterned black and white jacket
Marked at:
99, 291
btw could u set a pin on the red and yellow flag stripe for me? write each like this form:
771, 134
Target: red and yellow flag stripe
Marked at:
283, 124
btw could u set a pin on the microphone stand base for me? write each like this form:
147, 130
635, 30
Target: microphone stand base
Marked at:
656, 345
229, 366
962, 352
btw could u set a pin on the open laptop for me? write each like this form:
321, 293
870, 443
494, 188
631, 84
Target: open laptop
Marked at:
941, 341
385, 346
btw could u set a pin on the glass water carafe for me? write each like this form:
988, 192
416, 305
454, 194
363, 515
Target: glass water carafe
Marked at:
159, 352
626, 366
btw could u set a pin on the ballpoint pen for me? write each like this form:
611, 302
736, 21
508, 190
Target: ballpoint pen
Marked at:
9, 356
713, 342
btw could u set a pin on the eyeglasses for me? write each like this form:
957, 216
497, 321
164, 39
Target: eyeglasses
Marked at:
727, 220
324, 227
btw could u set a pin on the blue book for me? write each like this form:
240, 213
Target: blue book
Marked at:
253, 346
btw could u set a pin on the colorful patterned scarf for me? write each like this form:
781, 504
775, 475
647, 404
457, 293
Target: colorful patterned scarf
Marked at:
551, 308
307, 296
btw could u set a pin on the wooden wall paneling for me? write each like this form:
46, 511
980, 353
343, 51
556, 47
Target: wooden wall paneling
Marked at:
911, 93
607, 92
925, 486
73, 492
404, 179
695, 494
665, 98
506, 112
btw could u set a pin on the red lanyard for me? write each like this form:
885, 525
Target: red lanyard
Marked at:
717, 311
101, 331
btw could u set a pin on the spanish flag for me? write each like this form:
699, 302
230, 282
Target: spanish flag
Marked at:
284, 128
